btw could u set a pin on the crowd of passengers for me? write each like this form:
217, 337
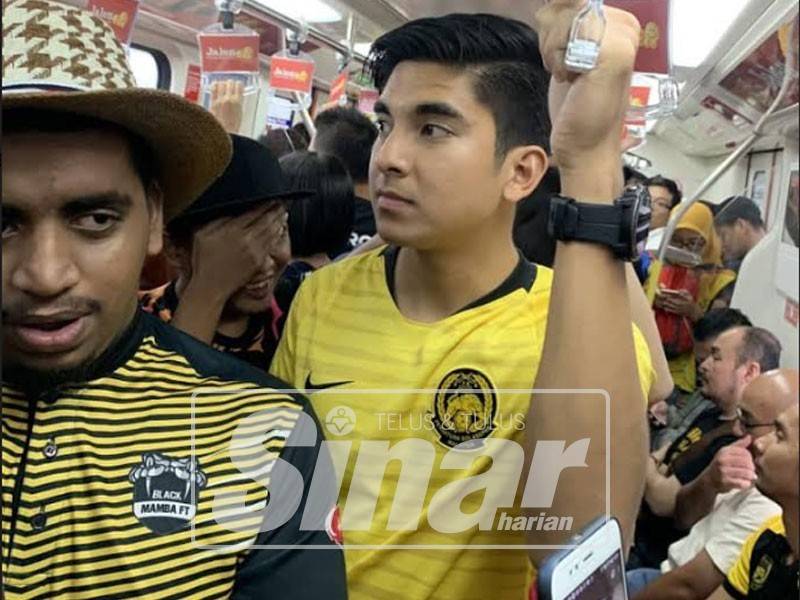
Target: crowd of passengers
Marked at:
719, 515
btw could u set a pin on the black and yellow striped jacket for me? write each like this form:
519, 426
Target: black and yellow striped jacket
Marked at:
155, 477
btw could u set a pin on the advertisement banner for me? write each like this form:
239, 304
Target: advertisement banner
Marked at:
192, 89
119, 14
229, 52
653, 16
639, 97
338, 88
291, 74
367, 100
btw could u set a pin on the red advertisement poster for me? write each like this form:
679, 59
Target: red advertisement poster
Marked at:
119, 14
237, 52
653, 16
291, 74
367, 100
192, 90
639, 97
758, 78
338, 87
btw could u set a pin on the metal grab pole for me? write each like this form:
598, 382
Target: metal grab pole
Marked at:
307, 120
736, 154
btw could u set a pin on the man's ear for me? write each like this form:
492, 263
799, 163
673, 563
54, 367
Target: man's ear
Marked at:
155, 207
525, 166
752, 371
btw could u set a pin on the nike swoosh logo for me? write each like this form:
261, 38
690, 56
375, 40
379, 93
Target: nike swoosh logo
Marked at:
313, 387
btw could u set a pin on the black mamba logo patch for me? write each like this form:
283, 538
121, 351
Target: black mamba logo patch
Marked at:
163, 490
464, 408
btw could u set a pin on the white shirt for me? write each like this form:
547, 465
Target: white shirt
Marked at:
723, 531
654, 239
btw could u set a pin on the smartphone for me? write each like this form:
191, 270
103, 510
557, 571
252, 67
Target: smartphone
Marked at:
593, 570
682, 257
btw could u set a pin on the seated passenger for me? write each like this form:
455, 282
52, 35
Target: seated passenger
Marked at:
767, 568
665, 195
229, 249
740, 228
737, 357
722, 506
680, 414
683, 295
320, 224
349, 135
119, 479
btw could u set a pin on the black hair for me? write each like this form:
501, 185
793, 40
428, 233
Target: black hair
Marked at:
670, 186
348, 135
761, 346
718, 321
739, 207
531, 232
629, 173
502, 56
321, 223
301, 130
283, 141
25, 120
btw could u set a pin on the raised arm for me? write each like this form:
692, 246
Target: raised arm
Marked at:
589, 342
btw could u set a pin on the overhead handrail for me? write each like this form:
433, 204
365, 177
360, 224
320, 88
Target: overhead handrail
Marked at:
791, 65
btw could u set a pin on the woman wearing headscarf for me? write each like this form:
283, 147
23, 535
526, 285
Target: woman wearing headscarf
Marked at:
688, 293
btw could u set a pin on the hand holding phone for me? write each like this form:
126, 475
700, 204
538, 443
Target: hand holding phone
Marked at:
593, 569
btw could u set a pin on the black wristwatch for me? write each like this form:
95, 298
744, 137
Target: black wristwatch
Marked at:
623, 226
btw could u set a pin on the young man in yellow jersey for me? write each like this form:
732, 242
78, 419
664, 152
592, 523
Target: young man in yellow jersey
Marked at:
421, 356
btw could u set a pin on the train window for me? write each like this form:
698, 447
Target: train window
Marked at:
150, 67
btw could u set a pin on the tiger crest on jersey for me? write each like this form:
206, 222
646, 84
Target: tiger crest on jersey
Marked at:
464, 408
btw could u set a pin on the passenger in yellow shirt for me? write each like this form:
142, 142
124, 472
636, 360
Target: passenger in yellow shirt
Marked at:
421, 356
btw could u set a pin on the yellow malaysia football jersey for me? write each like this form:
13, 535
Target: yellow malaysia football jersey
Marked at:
361, 361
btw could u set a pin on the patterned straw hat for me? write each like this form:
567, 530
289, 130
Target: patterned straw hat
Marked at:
60, 58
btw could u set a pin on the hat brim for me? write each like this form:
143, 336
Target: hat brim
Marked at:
190, 146
238, 207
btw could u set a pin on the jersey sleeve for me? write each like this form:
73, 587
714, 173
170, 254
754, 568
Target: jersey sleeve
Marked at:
737, 583
644, 362
724, 547
303, 558
285, 362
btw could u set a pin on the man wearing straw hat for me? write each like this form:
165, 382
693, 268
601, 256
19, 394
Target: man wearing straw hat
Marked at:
137, 462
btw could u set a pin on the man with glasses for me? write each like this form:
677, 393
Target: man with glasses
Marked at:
665, 195
767, 566
737, 357
722, 506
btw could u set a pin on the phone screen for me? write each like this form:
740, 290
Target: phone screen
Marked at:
604, 582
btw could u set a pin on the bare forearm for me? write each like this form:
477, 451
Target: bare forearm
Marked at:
661, 492
198, 312
643, 317
695, 580
695, 500
589, 345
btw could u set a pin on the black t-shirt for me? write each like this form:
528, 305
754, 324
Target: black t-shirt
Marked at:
686, 458
363, 223
694, 450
